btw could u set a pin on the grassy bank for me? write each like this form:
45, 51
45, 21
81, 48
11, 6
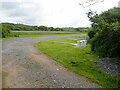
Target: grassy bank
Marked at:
23, 34
79, 60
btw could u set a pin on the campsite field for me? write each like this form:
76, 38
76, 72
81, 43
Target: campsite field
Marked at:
79, 60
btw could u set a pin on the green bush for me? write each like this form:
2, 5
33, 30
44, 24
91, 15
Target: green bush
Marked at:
107, 44
91, 34
105, 34
5, 31
16, 35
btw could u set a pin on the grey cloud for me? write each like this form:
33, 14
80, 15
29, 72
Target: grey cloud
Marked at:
13, 9
48, 12
16, 9
17, 13
22, 12
10, 5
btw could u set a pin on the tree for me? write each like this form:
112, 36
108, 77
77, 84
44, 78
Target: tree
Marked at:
5, 31
50, 29
105, 41
77, 29
42, 28
35, 27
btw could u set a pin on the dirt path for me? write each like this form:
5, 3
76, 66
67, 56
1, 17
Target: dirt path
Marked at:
23, 66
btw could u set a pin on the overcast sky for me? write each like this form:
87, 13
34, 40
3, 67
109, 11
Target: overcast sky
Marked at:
56, 13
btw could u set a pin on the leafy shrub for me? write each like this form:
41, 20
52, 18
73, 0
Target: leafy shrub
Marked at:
16, 35
105, 34
91, 34
5, 31
106, 44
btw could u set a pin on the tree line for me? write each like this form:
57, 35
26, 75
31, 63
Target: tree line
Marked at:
22, 27
6, 28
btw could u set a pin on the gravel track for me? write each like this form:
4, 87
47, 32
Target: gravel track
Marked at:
23, 66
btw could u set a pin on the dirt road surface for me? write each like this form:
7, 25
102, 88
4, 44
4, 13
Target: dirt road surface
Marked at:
23, 66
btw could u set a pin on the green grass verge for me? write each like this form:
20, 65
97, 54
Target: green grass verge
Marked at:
80, 36
23, 34
79, 60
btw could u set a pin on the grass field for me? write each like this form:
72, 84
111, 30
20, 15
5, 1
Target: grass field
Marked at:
40, 33
80, 36
79, 60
